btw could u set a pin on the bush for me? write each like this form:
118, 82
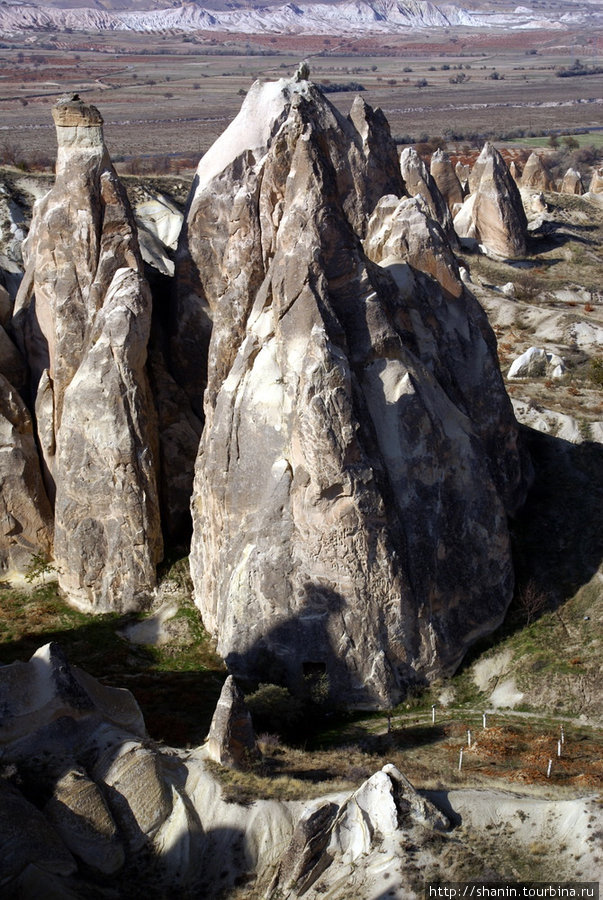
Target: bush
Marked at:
274, 709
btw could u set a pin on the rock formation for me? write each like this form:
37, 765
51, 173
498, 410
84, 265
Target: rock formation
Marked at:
446, 179
83, 314
515, 172
572, 183
493, 214
404, 230
418, 181
536, 362
25, 514
353, 450
231, 740
535, 176
216, 234
462, 173
596, 182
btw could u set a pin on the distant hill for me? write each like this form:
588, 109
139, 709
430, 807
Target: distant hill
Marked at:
327, 17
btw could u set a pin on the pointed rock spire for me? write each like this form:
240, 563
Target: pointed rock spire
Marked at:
83, 314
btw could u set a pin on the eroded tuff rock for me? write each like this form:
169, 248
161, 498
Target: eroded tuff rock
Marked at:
221, 227
596, 182
493, 214
462, 173
104, 797
572, 183
443, 173
231, 740
535, 176
83, 316
404, 230
359, 456
25, 514
417, 180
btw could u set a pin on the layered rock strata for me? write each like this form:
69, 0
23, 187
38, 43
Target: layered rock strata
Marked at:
493, 214
83, 314
359, 457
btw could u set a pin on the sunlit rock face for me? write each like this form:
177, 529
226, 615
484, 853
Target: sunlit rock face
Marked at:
83, 316
493, 214
359, 457
535, 177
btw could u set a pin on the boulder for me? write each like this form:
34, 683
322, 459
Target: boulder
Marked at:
359, 456
446, 179
536, 362
572, 183
231, 740
404, 230
83, 317
418, 181
535, 176
493, 214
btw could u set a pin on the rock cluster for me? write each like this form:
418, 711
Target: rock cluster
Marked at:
359, 456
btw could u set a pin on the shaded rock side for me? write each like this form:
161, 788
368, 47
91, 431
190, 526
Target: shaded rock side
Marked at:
418, 181
493, 214
443, 173
355, 470
218, 230
25, 513
108, 803
231, 740
83, 315
535, 176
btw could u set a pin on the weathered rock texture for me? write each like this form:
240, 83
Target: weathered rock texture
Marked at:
220, 228
359, 456
572, 183
462, 173
493, 214
443, 173
535, 176
25, 514
83, 314
231, 740
79, 751
418, 181
403, 229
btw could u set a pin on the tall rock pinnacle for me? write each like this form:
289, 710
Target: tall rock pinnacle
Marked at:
359, 457
83, 315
